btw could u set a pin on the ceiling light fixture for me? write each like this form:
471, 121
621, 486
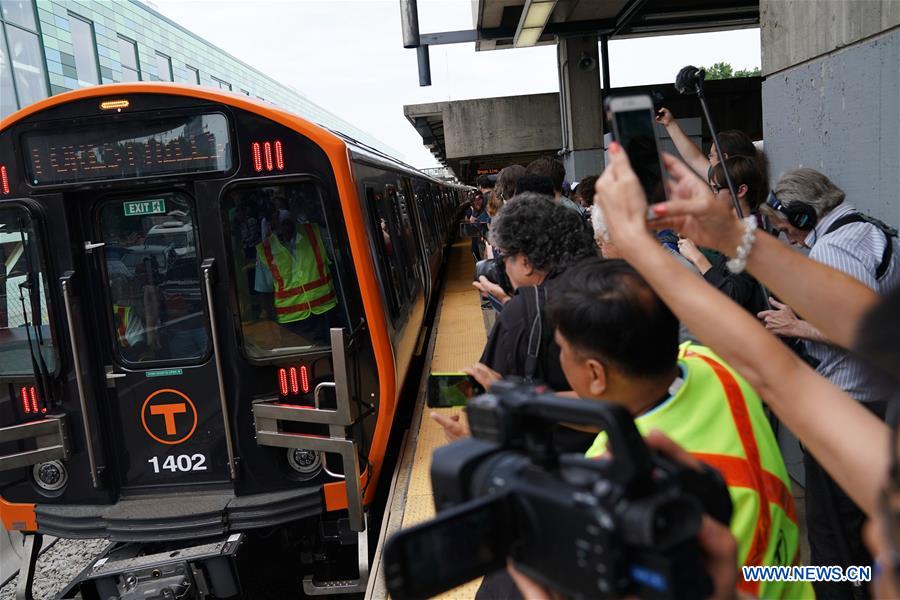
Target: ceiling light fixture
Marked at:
535, 15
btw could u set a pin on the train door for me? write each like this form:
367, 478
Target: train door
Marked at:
154, 346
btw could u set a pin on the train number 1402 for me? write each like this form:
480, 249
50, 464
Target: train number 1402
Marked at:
181, 462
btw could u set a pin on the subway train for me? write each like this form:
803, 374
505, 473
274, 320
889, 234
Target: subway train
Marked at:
208, 307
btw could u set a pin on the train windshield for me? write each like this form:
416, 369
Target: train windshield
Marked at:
26, 341
288, 294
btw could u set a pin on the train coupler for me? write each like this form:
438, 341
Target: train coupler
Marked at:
129, 571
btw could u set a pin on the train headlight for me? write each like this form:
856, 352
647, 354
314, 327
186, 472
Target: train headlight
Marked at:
51, 475
307, 462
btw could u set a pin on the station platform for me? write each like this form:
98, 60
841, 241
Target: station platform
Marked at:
457, 343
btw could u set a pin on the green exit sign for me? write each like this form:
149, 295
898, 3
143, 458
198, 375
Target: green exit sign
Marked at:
139, 208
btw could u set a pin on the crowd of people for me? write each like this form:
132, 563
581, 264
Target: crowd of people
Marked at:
694, 316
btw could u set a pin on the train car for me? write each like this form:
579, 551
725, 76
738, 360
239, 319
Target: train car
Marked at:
208, 308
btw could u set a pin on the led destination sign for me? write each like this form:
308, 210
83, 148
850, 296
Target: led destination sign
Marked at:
125, 150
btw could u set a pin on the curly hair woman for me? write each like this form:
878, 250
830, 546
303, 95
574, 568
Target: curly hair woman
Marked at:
537, 240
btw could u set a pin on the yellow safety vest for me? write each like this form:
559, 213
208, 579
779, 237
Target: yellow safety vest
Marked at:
302, 286
719, 419
122, 314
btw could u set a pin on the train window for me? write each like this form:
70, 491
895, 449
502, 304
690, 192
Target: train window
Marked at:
26, 339
153, 273
400, 207
391, 267
421, 199
283, 257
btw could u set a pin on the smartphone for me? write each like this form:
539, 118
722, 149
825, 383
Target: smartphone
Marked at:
451, 389
634, 127
472, 230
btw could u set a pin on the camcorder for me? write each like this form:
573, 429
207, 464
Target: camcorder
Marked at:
587, 528
494, 271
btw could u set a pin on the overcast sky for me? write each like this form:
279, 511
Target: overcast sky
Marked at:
348, 56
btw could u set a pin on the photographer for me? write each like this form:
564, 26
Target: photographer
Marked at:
811, 211
845, 438
537, 240
556, 172
752, 188
505, 187
477, 214
619, 343
732, 141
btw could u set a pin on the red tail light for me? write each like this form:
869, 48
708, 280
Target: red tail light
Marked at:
279, 156
283, 382
295, 385
257, 157
304, 379
31, 403
267, 156
4, 180
293, 381
267, 152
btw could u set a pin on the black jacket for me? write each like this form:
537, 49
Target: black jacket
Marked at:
742, 288
507, 344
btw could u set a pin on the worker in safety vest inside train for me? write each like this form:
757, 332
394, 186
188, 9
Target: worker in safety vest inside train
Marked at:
619, 342
293, 276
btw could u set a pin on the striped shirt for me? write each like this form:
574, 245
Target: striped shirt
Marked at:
855, 249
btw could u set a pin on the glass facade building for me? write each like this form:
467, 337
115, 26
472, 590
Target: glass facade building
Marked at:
52, 46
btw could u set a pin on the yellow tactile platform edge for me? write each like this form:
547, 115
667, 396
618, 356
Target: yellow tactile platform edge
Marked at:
460, 340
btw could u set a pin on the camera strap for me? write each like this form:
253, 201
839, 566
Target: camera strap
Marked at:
536, 331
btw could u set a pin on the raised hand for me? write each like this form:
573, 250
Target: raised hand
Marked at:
695, 212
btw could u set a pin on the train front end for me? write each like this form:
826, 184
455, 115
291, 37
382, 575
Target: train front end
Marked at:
190, 336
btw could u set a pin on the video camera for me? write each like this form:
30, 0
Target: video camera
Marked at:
586, 528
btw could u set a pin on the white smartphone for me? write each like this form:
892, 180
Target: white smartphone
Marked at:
634, 127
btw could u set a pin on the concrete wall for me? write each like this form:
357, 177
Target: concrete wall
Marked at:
794, 31
489, 126
838, 113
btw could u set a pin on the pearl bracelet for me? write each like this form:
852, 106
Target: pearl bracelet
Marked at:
739, 262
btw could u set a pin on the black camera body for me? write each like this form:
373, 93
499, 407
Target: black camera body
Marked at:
586, 528
494, 271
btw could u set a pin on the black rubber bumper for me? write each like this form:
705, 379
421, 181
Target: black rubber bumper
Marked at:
178, 516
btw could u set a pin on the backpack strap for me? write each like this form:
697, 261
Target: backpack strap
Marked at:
886, 230
535, 298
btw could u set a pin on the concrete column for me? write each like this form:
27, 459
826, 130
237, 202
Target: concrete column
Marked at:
581, 106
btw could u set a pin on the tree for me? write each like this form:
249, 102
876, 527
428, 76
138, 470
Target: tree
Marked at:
723, 70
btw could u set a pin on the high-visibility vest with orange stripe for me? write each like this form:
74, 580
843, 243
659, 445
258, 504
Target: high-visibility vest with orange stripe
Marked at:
121, 316
302, 283
719, 419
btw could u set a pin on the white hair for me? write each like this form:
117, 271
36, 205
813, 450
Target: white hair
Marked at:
601, 233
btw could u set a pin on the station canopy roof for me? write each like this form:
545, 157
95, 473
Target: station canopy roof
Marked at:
497, 20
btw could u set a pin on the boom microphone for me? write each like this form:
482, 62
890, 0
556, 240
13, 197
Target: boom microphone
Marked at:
689, 80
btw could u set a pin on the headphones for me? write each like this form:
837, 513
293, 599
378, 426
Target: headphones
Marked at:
800, 215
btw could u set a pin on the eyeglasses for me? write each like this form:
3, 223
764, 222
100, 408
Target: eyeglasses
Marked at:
716, 188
